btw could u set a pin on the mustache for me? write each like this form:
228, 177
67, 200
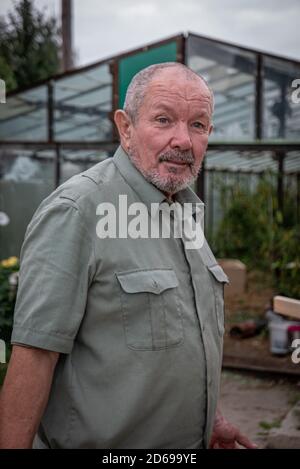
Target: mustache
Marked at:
177, 156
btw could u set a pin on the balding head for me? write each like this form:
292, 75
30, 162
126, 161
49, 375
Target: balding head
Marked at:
139, 84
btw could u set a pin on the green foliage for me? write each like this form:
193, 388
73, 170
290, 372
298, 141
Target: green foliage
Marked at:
29, 46
255, 231
7, 74
269, 425
287, 261
246, 231
8, 289
3, 368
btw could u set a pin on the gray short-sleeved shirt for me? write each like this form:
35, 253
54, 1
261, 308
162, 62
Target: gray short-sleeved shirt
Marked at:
138, 322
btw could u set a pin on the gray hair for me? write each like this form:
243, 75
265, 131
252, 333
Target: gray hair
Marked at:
138, 86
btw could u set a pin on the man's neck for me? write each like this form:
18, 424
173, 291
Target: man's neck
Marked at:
169, 197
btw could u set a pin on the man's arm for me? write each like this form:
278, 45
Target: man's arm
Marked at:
25, 394
227, 436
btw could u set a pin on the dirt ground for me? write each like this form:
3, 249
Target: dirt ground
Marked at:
256, 403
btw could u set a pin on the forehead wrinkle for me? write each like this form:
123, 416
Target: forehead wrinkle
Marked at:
169, 108
166, 103
177, 91
168, 95
158, 91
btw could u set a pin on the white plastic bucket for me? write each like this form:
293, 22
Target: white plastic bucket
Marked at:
279, 341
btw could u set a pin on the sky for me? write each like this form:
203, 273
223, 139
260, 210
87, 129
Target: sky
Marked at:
106, 27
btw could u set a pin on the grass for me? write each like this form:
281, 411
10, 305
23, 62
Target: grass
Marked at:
269, 425
294, 399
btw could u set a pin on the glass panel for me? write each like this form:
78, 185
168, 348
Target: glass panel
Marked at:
281, 114
230, 72
83, 103
74, 162
238, 170
244, 170
26, 179
240, 161
24, 116
291, 187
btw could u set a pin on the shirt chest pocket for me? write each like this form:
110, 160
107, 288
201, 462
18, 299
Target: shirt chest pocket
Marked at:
218, 279
150, 309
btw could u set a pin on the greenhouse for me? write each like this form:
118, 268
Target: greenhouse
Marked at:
60, 127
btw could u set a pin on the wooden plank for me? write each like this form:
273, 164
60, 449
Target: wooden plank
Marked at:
271, 364
287, 306
254, 354
236, 364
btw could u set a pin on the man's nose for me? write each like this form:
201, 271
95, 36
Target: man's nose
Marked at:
181, 138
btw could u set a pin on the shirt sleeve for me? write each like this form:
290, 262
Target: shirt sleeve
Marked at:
57, 265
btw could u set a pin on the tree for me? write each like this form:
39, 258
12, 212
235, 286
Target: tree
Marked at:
29, 46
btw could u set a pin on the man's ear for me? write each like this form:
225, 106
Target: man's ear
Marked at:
124, 126
211, 128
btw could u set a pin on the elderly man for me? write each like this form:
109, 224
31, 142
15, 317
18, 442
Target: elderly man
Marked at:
118, 340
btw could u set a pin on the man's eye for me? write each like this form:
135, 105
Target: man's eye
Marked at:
163, 120
199, 125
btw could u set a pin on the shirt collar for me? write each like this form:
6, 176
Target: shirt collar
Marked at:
147, 192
